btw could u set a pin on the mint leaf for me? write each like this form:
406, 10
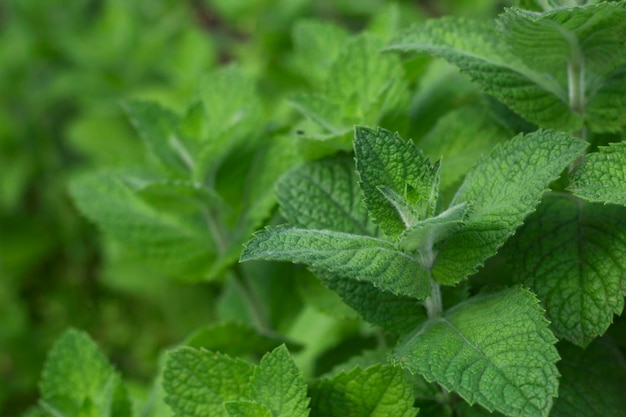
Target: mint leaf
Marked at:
361, 85
502, 190
448, 140
165, 240
157, 126
593, 381
494, 350
197, 382
77, 380
246, 409
572, 254
358, 257
278, 385
377, 391
397, 314
479, 50
399, 183
319, 43
324, 195
602, 175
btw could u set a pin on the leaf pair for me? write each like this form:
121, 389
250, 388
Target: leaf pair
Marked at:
560, 69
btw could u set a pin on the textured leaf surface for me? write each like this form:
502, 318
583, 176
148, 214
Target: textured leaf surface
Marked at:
480, 50
358, 257
593, 381
572, 254
247, 409
78, 380
602, 176
378, 391
279, 386
198, 382
495, 350
162, 239
325, 195
389, 166
502, 190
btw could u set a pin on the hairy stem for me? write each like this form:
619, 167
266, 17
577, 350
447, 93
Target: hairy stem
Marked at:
576, 85
434, 304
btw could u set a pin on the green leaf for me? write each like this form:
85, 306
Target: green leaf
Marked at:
461, 138
425, 234
572, 254
362, 85
593, 381
324, 195
594, 34
479, 50
377, 391
246, 409
358, 257
197, 382
495, 350
602, 175
77, 380
278, 385
319, 43
399, 183
178, 246
157, 127
502, 190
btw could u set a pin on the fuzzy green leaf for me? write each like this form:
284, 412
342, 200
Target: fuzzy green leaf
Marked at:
198, 382
502, 190
77, 380
399, 183
361, 86
325, 195
377, 391
358, 257
495, 350
157, 126
594, 34
247, 409
593, 381
426, 233
480, 50
319, 43
602, 176
572, 254
461, 138
162, 239
278, 385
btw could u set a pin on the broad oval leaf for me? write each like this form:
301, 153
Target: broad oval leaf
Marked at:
572, 254
502, 190
495, 350
358, 257
602, 175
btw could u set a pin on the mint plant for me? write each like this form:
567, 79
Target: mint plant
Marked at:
476, 269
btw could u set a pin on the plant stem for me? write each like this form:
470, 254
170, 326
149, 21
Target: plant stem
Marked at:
576, 85
434, 304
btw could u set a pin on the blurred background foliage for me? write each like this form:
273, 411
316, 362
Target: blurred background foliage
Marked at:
66, 67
